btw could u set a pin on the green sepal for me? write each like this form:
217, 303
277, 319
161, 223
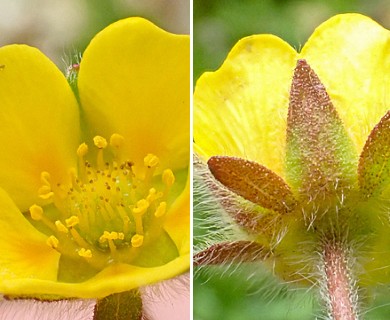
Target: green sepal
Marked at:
321, 159
120, 306
374, 162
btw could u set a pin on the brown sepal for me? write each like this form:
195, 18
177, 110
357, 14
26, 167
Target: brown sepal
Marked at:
253, 182
227, 252
320, 156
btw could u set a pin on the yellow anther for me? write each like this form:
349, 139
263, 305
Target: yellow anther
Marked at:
82, 150
168, 178
161, 209
142, 206
152, 195
45, 192
45, 178
61, 227
85, 253
36, 212
111, 235
72, 221
116, 140
52, 242
137, 240
100, 142
151, 161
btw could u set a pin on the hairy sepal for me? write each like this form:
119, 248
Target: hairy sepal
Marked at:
320, 157
253, 182
374, 162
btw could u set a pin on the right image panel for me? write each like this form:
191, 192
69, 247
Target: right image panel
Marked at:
291, 173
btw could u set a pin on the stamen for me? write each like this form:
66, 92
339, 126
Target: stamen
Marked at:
168, 179
82, 150
142, 206
109, 237
85, 253
79, 240
101, 144
61, 227
117, 141
36, 212
45, 192
137, 240
52, 242
161, 209
72, 221
101, 196
153, 195
151, 161
138, 211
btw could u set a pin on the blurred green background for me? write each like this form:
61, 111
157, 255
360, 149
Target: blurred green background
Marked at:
217, 26
59, 28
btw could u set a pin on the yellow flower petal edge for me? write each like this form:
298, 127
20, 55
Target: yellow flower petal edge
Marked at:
117, 278
39, 122
350, 54
248, 102
101, 229
24, 252
150, 106
245, 102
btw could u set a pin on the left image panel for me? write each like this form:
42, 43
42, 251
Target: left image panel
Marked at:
95, 145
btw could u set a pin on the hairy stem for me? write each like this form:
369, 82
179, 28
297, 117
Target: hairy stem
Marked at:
341, 293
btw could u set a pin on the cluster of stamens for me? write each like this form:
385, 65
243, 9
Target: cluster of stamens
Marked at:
108, 211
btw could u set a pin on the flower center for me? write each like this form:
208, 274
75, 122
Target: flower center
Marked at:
109, 211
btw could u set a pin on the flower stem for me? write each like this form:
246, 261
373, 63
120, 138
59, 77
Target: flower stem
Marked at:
340, 291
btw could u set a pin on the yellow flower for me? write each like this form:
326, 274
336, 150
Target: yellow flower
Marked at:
282, 132
102, 209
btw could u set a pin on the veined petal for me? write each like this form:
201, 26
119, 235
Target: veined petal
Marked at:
350, 54
24, 252
117, 278
241, 109
134, 80
39, 123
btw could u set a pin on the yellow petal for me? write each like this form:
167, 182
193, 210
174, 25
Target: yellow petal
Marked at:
117, 278
177, 223
350, 54
39, 122
24, 252
241, 109
134, 80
